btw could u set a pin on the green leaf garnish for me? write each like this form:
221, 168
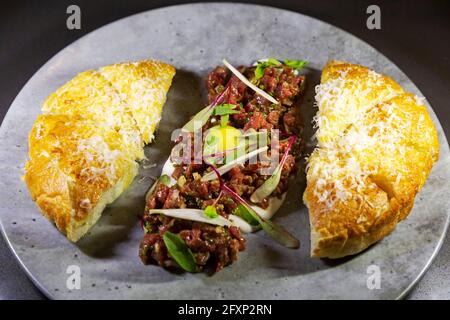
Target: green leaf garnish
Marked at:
180, 252
224, 109
275, 231
241, 211
203, 115
262, 65
259, 72
295, 64
210, 212
268, 186
273, 62
272, 182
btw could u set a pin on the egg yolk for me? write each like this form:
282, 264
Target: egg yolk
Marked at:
221, 138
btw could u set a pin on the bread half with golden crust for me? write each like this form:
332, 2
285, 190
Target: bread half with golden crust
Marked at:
83, 149
140, 84
376, 146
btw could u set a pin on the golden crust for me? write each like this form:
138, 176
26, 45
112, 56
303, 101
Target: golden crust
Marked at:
362, 179
143, 85
90, 96
363, 89
72, 163
83, 151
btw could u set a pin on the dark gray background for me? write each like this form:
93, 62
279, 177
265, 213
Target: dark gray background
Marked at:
415, 35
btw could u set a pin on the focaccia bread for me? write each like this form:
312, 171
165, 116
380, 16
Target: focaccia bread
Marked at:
83, 149
376, 147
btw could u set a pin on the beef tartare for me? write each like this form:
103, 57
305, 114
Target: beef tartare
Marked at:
197, 211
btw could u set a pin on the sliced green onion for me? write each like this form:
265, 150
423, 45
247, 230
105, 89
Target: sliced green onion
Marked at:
165, 179
210, 212
248, 83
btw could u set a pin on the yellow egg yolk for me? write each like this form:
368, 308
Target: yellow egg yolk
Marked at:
221, 138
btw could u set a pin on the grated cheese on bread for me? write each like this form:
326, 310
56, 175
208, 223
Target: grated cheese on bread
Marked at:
83, 149
376, 147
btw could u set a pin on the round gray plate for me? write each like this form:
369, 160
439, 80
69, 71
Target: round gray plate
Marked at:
195, 38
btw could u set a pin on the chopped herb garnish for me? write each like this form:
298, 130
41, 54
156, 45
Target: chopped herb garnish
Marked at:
225, 109
263, 64
165, 179
147, 226
210, 212
295, 64
272, 62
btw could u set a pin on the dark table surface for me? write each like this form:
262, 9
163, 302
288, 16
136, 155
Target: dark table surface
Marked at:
415, 35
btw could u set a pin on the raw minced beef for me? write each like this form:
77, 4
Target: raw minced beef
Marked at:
213, 246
